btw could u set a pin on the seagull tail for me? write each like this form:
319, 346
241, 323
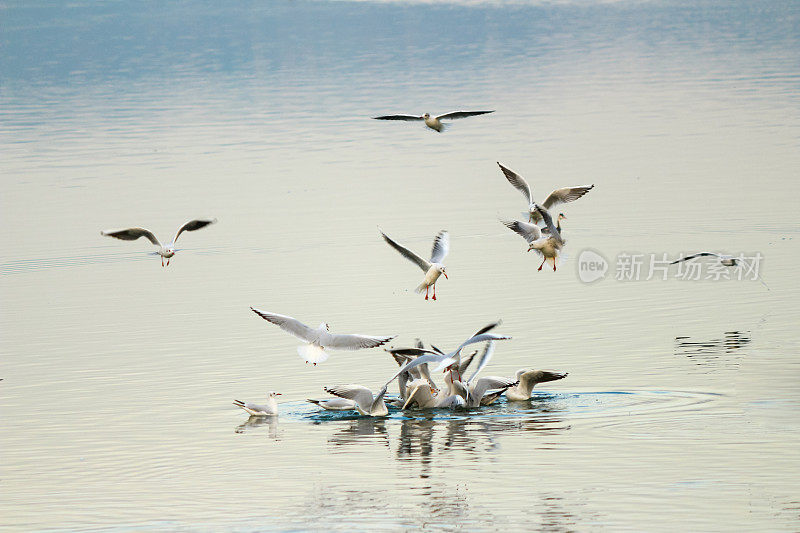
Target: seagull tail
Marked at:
312, 354
421, 287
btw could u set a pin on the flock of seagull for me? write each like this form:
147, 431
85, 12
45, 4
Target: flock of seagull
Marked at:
416, 386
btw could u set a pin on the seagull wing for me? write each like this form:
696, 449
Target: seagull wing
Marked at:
131, 234
441, 245
530, 232
484, 359
548, 222
567, 194
518, 182
194, 225
399, 117
701, 254
530, 378
408, 254
430, 357
461, 114
289, 324
358, 393
451, 358
352, 342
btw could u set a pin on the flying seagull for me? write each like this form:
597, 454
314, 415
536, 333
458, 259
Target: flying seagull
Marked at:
433, 268
548, 245
131, 234
434, 123
320, 338
558, 196
725, 260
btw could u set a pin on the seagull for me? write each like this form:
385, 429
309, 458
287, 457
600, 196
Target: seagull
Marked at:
527, 380
365, 402
558, 196
335, 404
422, 394
446, 360
433, 268
434, 123
319, 339
270, 409
131, 234
725, 260
549, 246
477, 390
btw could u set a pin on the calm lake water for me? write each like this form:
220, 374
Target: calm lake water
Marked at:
682, 406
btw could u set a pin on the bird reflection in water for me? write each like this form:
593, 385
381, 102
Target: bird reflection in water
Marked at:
725, 352
361, 430
271, 423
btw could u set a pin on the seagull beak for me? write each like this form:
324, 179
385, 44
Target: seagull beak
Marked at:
445, 275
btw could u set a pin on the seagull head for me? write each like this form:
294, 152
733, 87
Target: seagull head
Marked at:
441, 269
426, 116
272, 394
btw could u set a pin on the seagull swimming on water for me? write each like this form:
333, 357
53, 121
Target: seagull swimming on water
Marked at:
433, 268
548, 245
434, 123
365, 402
527, 380
558, 196
131, 234
270, 409
320, 338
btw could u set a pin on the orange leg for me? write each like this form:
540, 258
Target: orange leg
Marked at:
162, 260
540, 266
426, 292
434, 291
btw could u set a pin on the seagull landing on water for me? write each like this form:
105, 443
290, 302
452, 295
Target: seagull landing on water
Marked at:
558, 196
131, 234
434, 123
319, 339
725, 260
527, 381
548, 245
270, 409
433, 268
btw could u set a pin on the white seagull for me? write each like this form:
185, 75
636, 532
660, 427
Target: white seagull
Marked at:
434, 123
335, 404
365, 402
527, 380
725, 260
433, 268
558, 196
270, 409
548, 245
319, 339
131, 234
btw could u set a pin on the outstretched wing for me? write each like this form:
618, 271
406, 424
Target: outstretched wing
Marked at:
566, 194
352, 342
441, 245
688, 257
408, 254
287, 323
461, 114
131, 234
194, 225
399, 117
530, 232
518, 182
530, 378
484, 359
548, 222
358, 393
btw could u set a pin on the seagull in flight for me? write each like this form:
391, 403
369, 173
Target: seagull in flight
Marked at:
558, 196
725, 260
131, 234
433, 268
527, 379
320, 338
270, 409
434, 123
548, 245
